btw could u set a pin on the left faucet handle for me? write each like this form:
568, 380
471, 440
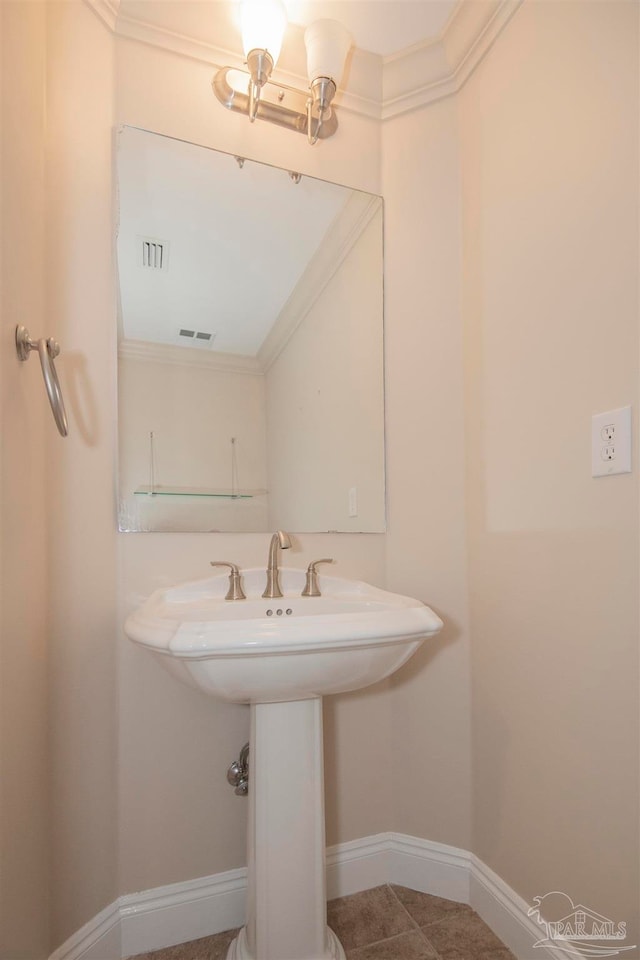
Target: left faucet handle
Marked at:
235, 591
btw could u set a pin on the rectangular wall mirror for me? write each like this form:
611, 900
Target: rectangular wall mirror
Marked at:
250, 345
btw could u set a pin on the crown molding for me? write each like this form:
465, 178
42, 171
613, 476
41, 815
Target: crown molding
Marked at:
471, 35
219, 56
148, 352
333, 251
181, 44
105, 10
404, 81
431, 71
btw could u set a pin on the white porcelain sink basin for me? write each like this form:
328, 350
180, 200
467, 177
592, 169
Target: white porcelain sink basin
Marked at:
293, 648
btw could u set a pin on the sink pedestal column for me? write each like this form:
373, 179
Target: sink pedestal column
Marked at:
286, 895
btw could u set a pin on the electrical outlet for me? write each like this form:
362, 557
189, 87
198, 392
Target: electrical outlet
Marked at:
608, 452
611, 442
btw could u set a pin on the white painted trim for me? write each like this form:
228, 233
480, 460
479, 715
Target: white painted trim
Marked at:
188, 356
433, 868
179, 912
217, 56
98, 939
433, 70
411, 78
338, 242
467, 45
358, 865
507, 914
181, 44
164, 916
105, 10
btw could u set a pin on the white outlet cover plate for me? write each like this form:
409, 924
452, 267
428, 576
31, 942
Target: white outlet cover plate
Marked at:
611, 442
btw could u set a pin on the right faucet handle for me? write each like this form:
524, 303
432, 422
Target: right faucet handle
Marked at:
311, 588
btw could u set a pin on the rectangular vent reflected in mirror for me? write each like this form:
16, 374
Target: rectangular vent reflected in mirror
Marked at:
202, 337
153, 254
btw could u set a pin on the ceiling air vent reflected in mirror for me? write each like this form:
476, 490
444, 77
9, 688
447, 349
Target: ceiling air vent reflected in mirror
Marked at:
200, 338
153, 254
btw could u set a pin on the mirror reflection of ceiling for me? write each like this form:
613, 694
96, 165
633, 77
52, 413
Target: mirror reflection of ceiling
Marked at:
191, 257
383, 27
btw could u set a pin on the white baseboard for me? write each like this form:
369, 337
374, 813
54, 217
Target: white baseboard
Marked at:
164, 916
358, 865
430, 867
174, 914
98, 939
507, 914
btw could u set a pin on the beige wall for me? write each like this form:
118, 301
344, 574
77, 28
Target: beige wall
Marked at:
80, 476
549, 148
181, 404
325, 402
26, 429
426, 553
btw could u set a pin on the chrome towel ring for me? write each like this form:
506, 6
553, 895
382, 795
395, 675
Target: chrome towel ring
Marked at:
47, 351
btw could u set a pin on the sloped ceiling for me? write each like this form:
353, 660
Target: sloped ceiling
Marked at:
236, 241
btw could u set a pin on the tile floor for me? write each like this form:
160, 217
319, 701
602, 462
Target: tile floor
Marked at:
386, 923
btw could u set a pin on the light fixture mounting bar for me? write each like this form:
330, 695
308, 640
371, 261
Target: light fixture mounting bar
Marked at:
278, 103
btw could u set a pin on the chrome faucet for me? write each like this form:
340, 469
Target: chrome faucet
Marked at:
282, 540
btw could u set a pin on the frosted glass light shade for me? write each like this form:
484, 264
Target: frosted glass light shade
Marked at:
263, 25
327, 43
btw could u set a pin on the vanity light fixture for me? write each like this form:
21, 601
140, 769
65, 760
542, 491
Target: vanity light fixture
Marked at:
263, 26
254, 93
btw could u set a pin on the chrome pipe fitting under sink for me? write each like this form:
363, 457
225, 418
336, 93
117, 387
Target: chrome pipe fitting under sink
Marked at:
238, 773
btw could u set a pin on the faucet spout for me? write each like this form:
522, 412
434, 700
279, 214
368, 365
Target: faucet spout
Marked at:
282, 540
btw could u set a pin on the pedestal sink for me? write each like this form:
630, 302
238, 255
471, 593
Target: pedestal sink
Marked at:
281, 656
